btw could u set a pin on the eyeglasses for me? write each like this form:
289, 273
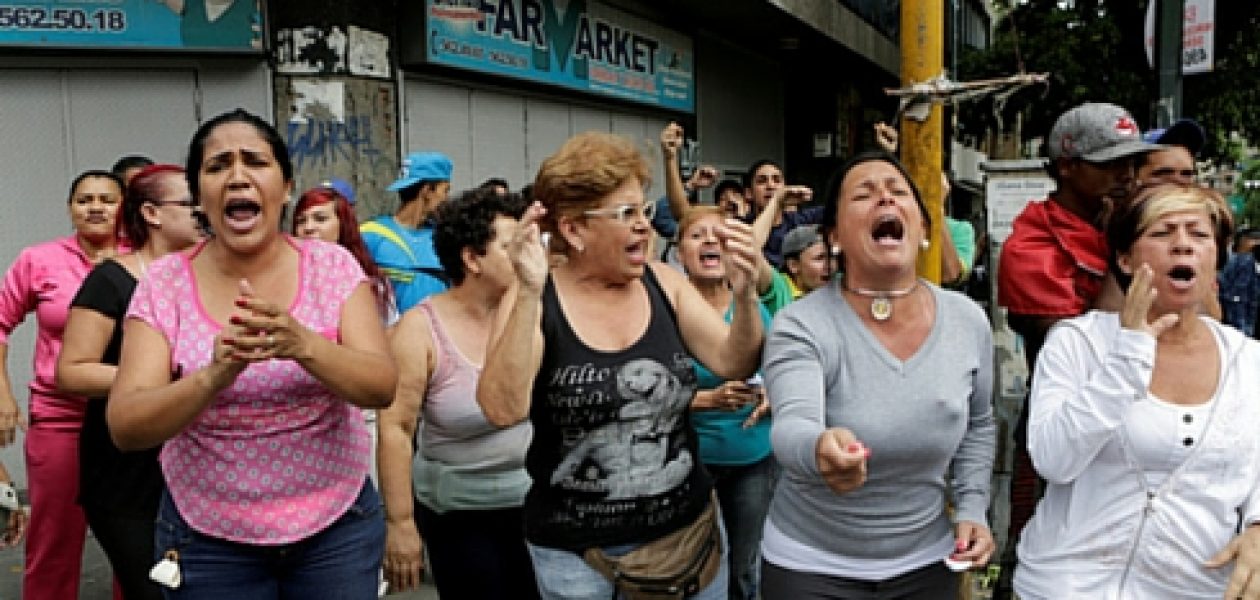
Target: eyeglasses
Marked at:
625, 213
186, 203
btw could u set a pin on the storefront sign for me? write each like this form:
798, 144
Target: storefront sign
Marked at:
584, 45
217, 25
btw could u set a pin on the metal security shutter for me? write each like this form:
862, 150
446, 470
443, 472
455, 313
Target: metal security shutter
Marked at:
489, 133
60, 121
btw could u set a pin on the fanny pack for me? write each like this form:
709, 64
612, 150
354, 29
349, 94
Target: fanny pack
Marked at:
673, 567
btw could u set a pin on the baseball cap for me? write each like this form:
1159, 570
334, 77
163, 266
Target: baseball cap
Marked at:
800, 238
341, 186
422, 166
1185, 133
1096, 132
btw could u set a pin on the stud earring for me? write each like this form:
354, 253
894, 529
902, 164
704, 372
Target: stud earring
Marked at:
924, 245
835, 250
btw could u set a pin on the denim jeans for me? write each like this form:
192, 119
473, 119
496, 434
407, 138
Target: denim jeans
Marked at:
744, 494
564, 575
342, 562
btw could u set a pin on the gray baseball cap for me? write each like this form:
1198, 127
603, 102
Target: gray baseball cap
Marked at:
800, 238
1096, 132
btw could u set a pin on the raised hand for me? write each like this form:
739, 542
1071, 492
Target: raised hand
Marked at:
529, 257
790, 195
740, 255
704, 177
1135, 313
841, 460
671, 139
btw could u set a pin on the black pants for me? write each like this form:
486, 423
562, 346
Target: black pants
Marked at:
128, 544
478, 554
933, 582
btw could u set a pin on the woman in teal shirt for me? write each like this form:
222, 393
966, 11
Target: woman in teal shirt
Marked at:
730, 416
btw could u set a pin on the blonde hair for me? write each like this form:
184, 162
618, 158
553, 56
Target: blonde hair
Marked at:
587, 167
1151, 203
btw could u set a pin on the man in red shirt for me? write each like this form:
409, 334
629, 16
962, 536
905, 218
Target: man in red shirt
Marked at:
1054, 262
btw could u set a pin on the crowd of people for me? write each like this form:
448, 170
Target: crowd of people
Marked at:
553, 404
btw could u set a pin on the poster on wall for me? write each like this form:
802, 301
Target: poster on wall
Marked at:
214, 25
580, 45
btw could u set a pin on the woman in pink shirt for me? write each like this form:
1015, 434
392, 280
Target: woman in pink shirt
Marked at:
250, 356
43, 280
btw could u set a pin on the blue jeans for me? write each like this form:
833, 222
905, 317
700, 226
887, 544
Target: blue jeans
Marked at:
744, 494
342, 562
564, 575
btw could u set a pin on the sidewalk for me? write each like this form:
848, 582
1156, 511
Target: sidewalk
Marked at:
95, 581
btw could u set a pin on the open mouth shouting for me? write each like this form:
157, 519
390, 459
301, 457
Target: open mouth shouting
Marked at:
637, 252
241, 214
710, 259
1182, 277
888, 231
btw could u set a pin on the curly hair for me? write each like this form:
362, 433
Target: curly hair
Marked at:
587, 167
468, 222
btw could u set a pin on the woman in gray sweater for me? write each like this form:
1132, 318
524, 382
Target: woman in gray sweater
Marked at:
880, 389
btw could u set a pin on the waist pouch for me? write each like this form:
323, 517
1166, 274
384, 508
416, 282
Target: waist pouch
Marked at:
672, 567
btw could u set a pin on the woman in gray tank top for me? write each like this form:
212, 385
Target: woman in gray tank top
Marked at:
463, 486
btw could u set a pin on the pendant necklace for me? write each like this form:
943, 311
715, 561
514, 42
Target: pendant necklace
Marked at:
881, 300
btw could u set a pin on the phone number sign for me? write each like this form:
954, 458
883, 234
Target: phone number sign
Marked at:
214, 25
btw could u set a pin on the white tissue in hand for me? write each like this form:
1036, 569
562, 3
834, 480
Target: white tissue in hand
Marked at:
957, 566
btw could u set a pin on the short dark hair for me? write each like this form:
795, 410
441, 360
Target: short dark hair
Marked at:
495, 182
747, 179
130, 161
197, 147
93, 174
412, 191
468, 222
831, 201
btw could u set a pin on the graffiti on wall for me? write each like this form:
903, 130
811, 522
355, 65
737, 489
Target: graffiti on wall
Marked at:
344, 128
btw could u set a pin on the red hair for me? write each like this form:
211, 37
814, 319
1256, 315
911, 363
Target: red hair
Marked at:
348, 237
145, 187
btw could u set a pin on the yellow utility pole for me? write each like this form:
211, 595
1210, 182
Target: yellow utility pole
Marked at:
923, 58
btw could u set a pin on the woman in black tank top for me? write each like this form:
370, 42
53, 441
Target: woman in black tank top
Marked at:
597, 354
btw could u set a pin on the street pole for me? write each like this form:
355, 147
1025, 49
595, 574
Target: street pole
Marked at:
1169, 23
922, 58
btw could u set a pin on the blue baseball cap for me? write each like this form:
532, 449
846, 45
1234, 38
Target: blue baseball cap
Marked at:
340, 186
422, 166
1185, 133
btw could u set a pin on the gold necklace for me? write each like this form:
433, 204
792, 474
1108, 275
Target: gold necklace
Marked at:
881, 300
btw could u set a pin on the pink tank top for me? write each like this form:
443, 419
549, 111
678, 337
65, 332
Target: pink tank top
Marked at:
276, 457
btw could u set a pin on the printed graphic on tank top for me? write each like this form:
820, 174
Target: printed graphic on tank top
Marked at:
614, 459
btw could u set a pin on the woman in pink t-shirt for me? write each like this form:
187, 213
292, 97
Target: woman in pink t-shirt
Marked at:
43, 280
249, 356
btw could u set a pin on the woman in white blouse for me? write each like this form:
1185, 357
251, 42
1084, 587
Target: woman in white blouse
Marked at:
1145, 424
